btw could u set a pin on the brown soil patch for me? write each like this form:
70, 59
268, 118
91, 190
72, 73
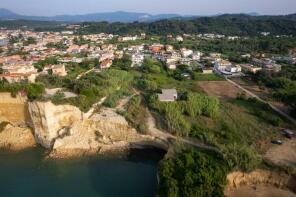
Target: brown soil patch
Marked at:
260, 183
283, 155
260, 191
220, 89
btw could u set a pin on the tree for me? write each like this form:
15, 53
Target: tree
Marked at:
124, 64
193, 174
35, 91
151, 66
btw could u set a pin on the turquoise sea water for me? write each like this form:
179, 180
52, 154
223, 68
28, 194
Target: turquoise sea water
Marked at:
28, 174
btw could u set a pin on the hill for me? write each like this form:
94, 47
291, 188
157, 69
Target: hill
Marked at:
119, 16
227, 24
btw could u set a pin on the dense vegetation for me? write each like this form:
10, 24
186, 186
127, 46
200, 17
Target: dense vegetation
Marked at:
234, 48
282, 83
229, 24
136, 114
34, 90
224, 24
192, 174
193, 105
91, 88
16, 24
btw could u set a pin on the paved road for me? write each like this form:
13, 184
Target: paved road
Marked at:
166, 136
292, 120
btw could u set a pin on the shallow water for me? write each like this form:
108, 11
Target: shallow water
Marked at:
28, 174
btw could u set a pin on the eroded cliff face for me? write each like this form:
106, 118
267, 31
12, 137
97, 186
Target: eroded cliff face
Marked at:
68, 131
16, 138
259, 177
51, 122
14, 109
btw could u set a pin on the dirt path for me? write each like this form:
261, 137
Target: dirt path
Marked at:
284, 154
84, 73
166, 136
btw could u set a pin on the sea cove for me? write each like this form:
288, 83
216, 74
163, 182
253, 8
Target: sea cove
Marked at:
28, 173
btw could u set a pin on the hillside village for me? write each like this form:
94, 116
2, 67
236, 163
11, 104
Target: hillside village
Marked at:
21, 50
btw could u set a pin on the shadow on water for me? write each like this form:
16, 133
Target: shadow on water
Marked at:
133, 175
27, 174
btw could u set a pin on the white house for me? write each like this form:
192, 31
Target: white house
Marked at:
197, 55
186, 52
137, 59
179, 39
221, 65
234, 68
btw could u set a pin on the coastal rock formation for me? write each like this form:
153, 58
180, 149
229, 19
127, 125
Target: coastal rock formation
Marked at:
257, 178
14, 109
51, 122
16, 138
68, 131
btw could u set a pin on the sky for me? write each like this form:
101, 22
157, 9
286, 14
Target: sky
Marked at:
185, 7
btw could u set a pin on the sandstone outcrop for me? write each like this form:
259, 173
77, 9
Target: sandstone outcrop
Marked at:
68, 131
14, 109
259, 177
16, 138
51, 122
65, 130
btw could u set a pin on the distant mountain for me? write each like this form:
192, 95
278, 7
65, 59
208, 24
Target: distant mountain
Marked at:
7, 14
119, 16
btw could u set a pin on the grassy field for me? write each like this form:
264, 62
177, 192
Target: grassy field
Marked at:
240, 121
207, 77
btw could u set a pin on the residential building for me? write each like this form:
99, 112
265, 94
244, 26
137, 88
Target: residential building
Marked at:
250, 68
179, 39
59, 70
137, 59
222, 65
186, 52
106, 64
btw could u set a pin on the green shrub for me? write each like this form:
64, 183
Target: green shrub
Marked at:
240, 157
198, 104
192, 174
113, 99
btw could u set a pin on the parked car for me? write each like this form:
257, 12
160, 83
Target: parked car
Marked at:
278, 142
288, 133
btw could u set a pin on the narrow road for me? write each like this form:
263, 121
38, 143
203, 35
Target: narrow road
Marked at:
84, 73
292, 120
166, 136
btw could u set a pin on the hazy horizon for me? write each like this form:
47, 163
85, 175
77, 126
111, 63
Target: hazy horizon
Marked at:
184, 7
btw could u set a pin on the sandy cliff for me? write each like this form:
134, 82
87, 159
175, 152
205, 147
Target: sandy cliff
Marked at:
14, 109
16, 138
51, 122
237, 180
66, 130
